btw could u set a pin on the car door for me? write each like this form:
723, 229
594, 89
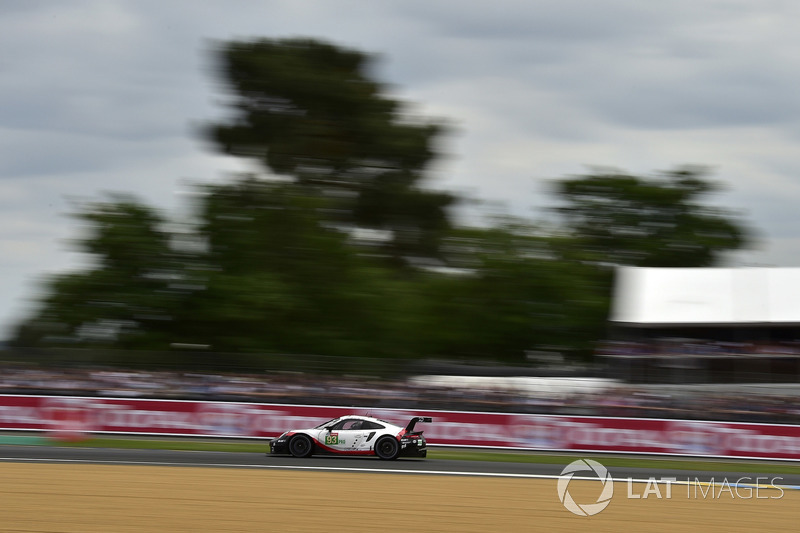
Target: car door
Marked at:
370, 434
345, 435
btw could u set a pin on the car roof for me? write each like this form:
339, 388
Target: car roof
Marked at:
372, 418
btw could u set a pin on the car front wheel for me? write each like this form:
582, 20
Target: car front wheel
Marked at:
387, 448
301, 446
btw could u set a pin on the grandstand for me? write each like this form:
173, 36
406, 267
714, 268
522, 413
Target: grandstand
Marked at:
705, 325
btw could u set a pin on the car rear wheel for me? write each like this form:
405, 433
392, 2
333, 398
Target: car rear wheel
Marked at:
387, 448
301, 446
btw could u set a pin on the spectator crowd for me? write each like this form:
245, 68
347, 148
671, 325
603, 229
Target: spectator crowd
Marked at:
612, 399
698, 347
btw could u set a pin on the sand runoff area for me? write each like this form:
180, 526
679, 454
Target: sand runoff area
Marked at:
118, 499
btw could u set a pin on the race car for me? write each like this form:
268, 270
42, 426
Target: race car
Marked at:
354, 435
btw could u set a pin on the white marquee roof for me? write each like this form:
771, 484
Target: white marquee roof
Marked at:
711, 296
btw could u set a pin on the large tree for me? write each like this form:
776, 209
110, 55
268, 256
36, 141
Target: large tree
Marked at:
277, 279
514, 294
130, 293
615, 218
313, 111
258, 271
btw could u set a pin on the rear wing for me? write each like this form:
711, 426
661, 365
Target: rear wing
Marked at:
413, 422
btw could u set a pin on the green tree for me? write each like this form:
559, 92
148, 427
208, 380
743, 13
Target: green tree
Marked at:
129, 294
619, 219
277, 279
513, 294
312, 111
257, 272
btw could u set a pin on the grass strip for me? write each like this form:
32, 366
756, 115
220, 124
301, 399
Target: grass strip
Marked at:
169, 444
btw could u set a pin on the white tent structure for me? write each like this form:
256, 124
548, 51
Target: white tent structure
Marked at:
664, 297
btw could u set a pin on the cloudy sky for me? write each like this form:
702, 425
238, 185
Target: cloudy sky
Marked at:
106, 95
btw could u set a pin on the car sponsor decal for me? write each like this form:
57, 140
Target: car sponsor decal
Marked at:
342, 452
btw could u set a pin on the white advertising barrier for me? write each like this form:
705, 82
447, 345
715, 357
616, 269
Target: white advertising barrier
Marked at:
458, 428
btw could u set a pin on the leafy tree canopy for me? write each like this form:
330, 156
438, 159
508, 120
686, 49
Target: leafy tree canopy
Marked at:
126, 298
312, 111
621, 219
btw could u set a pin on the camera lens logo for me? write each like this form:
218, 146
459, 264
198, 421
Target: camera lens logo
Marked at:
585, 465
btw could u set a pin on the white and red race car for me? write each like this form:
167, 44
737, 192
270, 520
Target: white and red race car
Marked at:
354, 435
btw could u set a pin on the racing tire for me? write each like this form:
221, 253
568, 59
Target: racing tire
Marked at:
301, 446
387, 448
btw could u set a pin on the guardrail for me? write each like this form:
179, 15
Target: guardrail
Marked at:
65, 416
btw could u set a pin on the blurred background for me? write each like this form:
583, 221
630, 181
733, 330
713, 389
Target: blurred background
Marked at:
336, 271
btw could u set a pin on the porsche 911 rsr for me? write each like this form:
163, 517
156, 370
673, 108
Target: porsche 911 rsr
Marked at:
354, 435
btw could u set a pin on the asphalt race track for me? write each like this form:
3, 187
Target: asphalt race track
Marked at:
407, 466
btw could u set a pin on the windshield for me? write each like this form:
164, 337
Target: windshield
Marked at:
325, 423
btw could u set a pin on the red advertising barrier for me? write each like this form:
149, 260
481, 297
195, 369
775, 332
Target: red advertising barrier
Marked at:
56, 414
